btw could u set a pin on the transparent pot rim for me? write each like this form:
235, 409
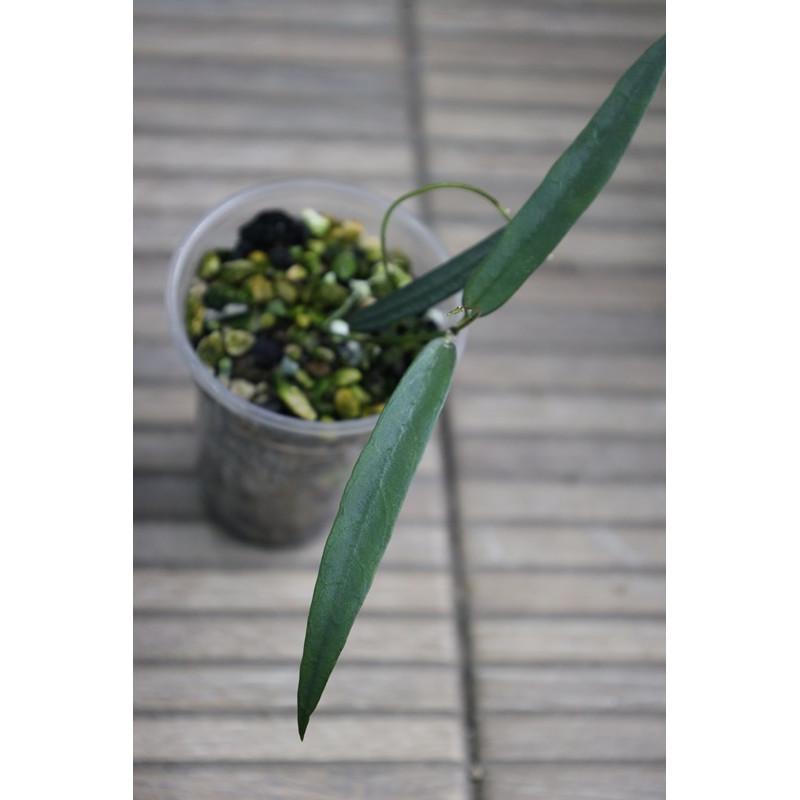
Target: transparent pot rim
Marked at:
180, 262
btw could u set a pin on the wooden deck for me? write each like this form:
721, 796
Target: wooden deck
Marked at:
513, 644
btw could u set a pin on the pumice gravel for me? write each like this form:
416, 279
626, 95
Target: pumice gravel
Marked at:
268, 316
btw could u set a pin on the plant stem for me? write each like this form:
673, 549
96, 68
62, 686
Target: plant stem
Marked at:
441, 185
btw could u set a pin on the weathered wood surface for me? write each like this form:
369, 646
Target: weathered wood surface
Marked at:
514, 650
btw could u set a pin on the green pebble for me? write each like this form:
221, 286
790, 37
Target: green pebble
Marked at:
195, 310
324, 354
225, 366
372, 247
243, 388
330, 295
266, 320
303, 319
286, 291
362, 395
294, 351
259, 258
346, 403
260, 288
218, 295
237, 342
210, 349
237, 270
315, 222
380, 282
209, 265
278, 307
346, 376
398, 276
321, 387
196, 324
296, 273
344, 265
296, 401
311, 261
304, 379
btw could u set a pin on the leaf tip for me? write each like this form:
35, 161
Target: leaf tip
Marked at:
302, 723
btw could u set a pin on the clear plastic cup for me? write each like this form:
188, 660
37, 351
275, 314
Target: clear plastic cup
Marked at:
264, 476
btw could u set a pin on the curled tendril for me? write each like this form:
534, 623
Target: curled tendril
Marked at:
442, 185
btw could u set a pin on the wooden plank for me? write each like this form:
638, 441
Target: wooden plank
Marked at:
571, 688
158, 362
284, 592
579, 737
524, 413
580, 459
586, 328
390, 738
172, 450
591, 546
264, 158
595, 20
572, 781
308, 13
261, 44
309, 782
542, 641
167, 497
261, 83
482, 367
269, 688
203, 544
160, 404
550, 501
573, 593
326, 116
188, 639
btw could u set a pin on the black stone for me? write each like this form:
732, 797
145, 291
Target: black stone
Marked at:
280, 258
266, 352
268, 230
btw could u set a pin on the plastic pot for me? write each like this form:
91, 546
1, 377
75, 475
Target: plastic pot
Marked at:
264, 476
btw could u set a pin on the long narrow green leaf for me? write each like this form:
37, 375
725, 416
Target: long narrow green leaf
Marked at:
569, 187
367, 514
427, 290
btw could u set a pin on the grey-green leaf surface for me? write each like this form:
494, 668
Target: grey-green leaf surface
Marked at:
367, 514
569, 187
426, 290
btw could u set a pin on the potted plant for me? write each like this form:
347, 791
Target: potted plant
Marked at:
256, 296
489, 273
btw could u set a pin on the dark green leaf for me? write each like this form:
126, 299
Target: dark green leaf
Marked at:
367, 514
569, 187
425, 291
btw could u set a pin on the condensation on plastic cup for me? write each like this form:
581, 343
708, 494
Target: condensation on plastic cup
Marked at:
264, 476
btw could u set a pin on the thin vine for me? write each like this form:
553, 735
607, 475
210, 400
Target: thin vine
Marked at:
441, 185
